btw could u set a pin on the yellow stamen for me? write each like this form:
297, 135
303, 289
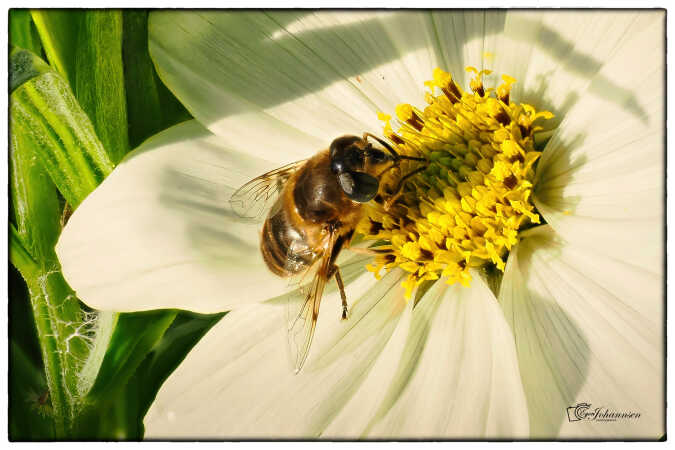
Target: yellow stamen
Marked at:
465, 209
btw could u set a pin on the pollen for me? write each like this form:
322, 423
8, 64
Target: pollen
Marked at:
463, 208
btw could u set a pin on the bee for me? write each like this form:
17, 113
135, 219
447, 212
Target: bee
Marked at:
313, 207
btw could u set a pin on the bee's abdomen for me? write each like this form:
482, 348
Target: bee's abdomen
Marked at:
283, 247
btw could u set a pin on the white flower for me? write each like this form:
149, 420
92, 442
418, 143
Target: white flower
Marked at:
579, 316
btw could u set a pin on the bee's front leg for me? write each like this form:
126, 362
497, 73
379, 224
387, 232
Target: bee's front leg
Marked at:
335, 270
399, 188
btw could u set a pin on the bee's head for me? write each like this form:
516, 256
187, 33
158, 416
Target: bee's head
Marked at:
357, 163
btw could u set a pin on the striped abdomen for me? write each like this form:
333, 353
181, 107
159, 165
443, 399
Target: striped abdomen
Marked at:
283, 246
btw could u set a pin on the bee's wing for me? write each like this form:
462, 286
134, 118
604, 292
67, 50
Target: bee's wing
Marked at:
303, 304
255, 198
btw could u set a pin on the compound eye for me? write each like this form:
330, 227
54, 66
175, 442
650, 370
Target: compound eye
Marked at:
359, 186
344, 155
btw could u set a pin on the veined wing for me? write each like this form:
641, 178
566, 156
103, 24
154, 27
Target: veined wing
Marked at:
303, 304
255, 198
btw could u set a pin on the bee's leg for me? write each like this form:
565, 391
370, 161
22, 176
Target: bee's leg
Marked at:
335, 270
399, 188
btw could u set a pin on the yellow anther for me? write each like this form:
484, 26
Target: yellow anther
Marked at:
411, 251
404, 112
383, 116
441, 77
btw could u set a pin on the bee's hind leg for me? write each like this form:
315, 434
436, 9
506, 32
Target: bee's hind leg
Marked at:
335, 270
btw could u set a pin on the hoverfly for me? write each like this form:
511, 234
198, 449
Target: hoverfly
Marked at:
313, 207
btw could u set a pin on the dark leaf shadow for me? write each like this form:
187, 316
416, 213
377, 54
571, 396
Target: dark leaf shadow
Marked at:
206, 217
549, 187
564, 356
210, 224
266, 66
547, 190
537, 96
412, 353
582, 64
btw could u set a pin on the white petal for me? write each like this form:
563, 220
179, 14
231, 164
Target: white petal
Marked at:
159, 232
464, 37
554, 55
600, 179
588, 329
315, 76
458, 376
354, 418
238, 382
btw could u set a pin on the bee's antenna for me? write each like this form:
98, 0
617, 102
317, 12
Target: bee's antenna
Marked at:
389, 148
412, 158
384, 144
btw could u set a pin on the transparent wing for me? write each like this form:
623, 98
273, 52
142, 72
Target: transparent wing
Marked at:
255, 198
303, 304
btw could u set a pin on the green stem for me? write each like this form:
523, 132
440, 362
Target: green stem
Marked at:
19, 256
51, 357
53, 145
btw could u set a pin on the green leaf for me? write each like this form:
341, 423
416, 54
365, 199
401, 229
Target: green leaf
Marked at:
151, 106
85, 46
20, 257
99, 78
35, 200
45, 115
23, 66
58, 30
22, 31
134, 336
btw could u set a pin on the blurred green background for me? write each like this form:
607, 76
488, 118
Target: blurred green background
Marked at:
83, 93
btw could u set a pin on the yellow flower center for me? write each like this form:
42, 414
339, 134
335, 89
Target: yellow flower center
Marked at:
464, 207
